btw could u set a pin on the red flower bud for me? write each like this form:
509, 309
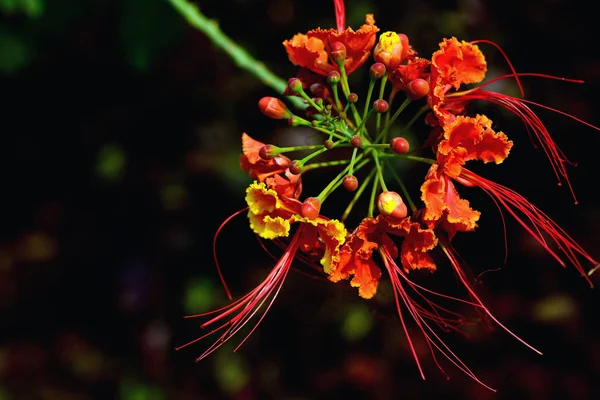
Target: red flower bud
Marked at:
377, 70
334, 77
338, 52
399, 145
329, 144
268, 152
417, 89
352, 97
380, 106
350, 183
295, 85
389, 50
356, 141
295, 167
310, 208
274, 108
391, 205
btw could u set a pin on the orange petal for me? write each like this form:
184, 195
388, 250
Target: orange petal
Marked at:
366, 277
358, 44
308, 52
459, 62
414, 259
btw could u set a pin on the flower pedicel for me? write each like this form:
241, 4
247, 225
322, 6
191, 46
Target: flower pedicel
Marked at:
399, 232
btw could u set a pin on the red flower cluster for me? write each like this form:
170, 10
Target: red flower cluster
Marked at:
397, 234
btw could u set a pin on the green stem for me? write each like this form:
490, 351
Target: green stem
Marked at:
324, 164
379, 171
381, 91
369, 94
238, 54
337, 180
298, 148
417, 115
359, 192
382, 135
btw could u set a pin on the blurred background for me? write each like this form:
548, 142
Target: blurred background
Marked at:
120, 159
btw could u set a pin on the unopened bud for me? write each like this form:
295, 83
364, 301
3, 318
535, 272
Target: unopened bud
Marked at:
352, 97
399, 145
319, 90
338, 52
391, 205
274, 108
295, 85
295, 167
295, 121
334, 77
377, 70
268, 152
311, 208
356, 141
389, 50
350, 183
380, 106
417, 89
329, 144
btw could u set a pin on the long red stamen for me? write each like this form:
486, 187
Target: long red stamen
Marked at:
340, 15
250, 304
510, 65
534, 125
420, 315
538, 222
235, 214
450, 253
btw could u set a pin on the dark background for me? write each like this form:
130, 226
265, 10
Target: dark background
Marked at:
119, 159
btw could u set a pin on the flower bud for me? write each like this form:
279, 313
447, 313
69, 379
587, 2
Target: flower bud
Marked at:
295, 85
274, 108
356, 141
334, 77
329, 144
399, 145
377, 70
389, 50
319, 90
268, 152
338, 52
352, 97
350, 183
296, 121
295, 167
310, 208
391, 205
417, 89
380, 106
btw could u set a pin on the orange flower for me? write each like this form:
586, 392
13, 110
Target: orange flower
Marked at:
464, 139
312, 50
269, 170
271, 216
356, 255
468, 138
417, 68
454, 64
444, 206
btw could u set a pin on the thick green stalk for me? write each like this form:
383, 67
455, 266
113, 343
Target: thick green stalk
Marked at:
237, 53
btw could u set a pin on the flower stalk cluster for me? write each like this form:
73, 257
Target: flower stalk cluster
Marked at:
398, 232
